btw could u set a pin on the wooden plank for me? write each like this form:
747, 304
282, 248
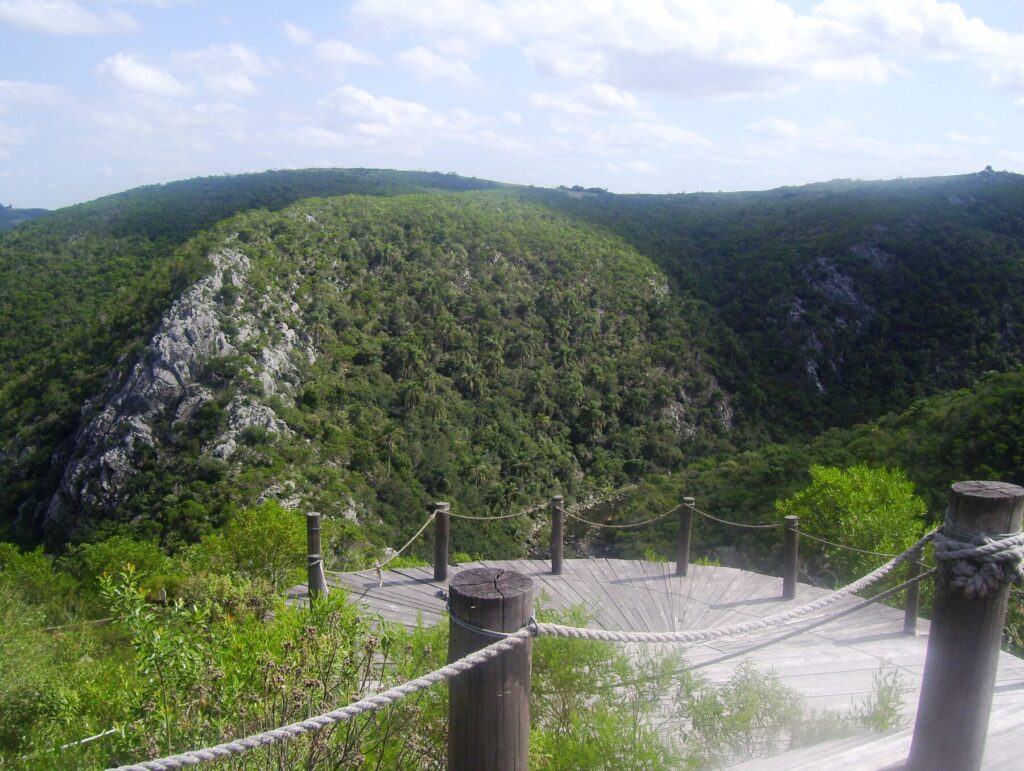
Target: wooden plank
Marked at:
654, 596
633, 590
607, 604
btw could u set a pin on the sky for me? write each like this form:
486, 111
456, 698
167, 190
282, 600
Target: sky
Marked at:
657, 96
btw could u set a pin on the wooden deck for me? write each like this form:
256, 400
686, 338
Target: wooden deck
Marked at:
832, 665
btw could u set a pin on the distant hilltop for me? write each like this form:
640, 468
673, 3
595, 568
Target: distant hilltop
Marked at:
9, 216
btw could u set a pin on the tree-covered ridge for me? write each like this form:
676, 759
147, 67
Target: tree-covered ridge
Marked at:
970, 433
839, 301
82, 288
10, 216
469, 347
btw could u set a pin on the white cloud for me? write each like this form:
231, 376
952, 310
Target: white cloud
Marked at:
703, 49
426, 66
779, 128
298, 35
967, 139
382, 116
939, 30
593, 99
22, 92
226, 69
339, 54
10, 136
63, 17
131, 74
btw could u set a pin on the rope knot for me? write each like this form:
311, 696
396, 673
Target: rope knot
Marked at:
979, 562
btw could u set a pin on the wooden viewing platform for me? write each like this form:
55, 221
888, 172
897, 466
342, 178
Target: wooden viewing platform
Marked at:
831, 665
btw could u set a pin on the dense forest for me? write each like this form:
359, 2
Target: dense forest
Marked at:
10, 216
186, 369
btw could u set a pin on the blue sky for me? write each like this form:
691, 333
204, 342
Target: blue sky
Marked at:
630, 95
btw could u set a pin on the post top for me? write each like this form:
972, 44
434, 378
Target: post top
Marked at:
689, 500
313, 514
443, 505
490, 583
980, 489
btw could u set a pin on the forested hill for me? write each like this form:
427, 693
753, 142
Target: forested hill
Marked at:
364, 356
9, 216
83, 288
173, 352
842, 300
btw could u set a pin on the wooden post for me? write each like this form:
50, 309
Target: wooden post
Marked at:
441, 519
791, 558
963, 645
557, 528
913, 598
683, 536
314, 561
489, 706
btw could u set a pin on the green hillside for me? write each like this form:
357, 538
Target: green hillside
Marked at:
971, 433
785, 313
470, 347
82, 289
842, 300
11, 217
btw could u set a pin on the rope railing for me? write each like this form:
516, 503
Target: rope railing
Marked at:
509, 641
803, 533
771, 525
756, 625
623, 526
378, 566
494, 517
364, 705
976, 559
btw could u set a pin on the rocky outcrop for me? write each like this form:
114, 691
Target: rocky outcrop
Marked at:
166, 387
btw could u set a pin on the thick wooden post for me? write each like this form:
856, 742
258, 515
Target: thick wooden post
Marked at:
314, 561
441, 519
557, 528
791, 559
683, 536
913, 598
963, 645
489, 706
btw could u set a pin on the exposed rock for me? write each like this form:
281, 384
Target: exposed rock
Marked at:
875, 255
677, 413
960, 200
244, 412
107, 449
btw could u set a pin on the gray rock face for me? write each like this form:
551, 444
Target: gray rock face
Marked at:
165, 385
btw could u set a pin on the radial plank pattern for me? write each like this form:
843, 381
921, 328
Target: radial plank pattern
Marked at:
833, 664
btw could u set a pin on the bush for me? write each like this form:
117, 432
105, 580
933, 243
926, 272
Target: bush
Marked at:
874, 509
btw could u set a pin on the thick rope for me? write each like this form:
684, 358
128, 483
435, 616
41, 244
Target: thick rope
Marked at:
378, 566
494, 517
980, 562
619, 527
368, 704
737, 524
533, 629
756, 625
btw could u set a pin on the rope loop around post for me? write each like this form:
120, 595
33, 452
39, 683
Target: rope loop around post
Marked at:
980, 562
